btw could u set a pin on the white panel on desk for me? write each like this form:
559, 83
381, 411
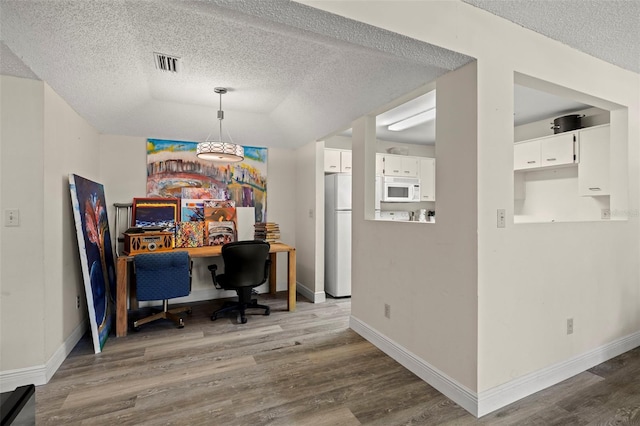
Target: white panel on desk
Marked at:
245, 219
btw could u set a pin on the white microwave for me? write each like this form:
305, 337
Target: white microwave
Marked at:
400, 190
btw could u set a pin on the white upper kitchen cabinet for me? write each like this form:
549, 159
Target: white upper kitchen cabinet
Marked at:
526, 155
345, 161
337, 161
556, 150
427, 179
379, 164
400, 165
331, 161
593, 170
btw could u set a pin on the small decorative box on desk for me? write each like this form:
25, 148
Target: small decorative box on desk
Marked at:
146, 242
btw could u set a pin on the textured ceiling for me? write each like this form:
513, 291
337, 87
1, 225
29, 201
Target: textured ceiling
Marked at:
605, 29
294, 73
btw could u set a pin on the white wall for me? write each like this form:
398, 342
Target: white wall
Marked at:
309, 206
412, 149
281, 202
43, 140
70, 146
344, 142
538, 129
123, 162
338, 142
427, 274
22, 270
531, 278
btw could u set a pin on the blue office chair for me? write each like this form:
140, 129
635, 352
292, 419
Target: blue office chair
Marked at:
246, 265
163, 276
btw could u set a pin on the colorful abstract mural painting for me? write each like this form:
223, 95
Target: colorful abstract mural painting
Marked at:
173, 166
96, 255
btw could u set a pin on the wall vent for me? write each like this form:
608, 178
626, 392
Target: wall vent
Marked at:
166, 62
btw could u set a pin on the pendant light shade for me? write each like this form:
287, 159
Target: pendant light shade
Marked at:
216, 149
220, 151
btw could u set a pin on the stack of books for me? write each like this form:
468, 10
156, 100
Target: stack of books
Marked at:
267, 231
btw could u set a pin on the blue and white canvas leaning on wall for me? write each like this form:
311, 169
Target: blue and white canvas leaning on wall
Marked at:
96, 255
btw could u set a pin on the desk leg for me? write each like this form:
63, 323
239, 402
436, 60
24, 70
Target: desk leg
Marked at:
273, 273
121, 296
291, 301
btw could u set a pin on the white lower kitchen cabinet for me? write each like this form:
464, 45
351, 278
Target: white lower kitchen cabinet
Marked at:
593, 169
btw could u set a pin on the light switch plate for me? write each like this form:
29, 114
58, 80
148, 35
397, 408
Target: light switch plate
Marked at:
502, 218
12, 217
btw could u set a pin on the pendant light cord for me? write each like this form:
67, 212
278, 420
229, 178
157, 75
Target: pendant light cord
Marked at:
220, 91
220, 117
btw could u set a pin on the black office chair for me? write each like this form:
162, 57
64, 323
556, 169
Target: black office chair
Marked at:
246, 265
163, 276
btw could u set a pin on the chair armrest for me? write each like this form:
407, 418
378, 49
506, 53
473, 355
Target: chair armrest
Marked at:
213, 268
267, 268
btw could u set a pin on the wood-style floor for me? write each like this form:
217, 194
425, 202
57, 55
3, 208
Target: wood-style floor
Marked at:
293, 368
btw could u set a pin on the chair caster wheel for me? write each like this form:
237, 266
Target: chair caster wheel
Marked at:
181, 324
267, 312
214, 317
190, 311
243, 320
136, 328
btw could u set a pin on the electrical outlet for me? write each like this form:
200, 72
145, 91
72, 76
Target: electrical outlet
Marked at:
387, 311
78, 302
570, 326
502, 218
605, 214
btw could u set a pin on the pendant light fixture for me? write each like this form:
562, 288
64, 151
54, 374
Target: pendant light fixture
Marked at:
217, 150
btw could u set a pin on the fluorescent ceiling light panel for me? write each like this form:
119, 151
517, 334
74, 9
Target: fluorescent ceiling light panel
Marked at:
413, 121
408, 109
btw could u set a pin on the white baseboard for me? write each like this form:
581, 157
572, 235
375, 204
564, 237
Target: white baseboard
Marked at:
315, 297
493, 399
204, 294
41, 374
199, 295
455, 391
507, 393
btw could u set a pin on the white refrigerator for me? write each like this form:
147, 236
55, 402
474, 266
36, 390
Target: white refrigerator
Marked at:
337, 240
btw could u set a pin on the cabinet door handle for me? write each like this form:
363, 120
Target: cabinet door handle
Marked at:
347, 168
407, 171
396, 171
594, 189
551, 159
531, 162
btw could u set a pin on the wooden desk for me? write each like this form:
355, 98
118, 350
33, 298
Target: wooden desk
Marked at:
122, 278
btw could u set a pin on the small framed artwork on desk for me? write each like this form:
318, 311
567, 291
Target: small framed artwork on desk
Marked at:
155, 212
